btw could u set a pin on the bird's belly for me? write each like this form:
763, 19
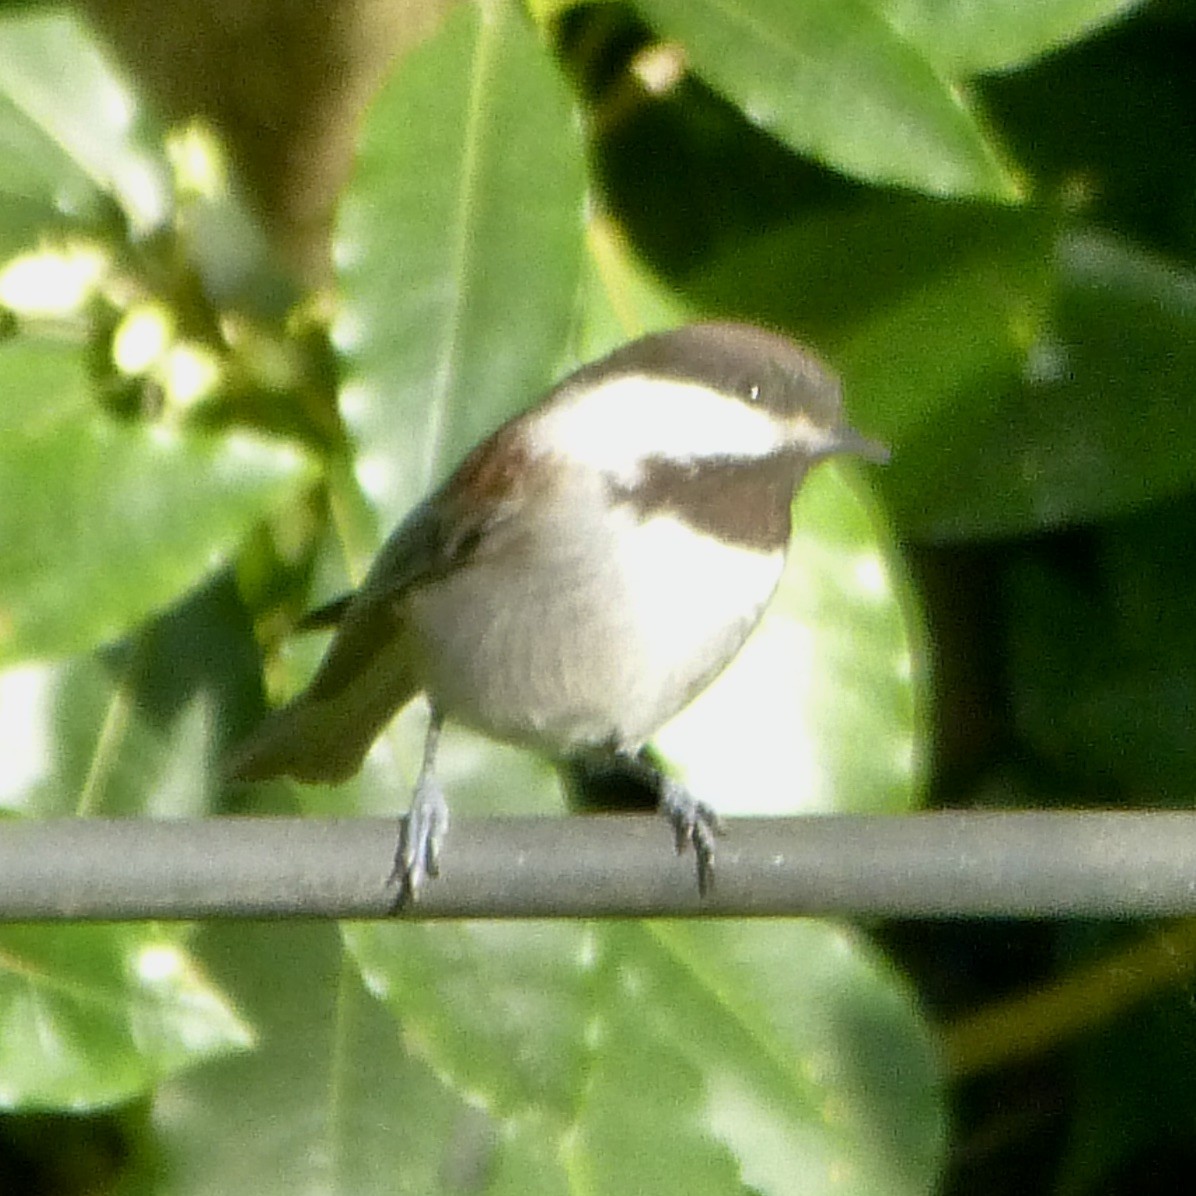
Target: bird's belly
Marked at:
595, 642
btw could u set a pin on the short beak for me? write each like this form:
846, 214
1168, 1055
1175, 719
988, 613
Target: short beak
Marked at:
848, 440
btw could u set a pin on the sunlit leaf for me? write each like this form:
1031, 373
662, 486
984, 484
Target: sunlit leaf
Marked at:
328, 1101
94, 1015
621, 298
104, 522
139, 728
693, 1056
458, 245
40, 187
833, 80
986, 35
94, 128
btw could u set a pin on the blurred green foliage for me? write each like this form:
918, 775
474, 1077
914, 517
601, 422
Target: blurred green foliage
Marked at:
983, 215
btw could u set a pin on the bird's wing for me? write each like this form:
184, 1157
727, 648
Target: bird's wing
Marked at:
418, 551
438, 536
324, 733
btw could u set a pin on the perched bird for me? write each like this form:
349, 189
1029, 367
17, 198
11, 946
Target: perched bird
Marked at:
586, 572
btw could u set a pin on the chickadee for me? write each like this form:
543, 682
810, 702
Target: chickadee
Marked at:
587, 570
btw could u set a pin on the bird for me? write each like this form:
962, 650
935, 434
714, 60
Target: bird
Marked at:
587, 570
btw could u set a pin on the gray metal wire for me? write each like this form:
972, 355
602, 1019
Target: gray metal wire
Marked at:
938, 865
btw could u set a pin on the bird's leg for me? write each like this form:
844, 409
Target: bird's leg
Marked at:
694, 823
417, 856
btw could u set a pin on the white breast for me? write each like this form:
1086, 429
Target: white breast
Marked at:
691, 598
595, 628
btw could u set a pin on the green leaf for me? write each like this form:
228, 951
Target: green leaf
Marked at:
40, 187
889, 279
1092, 419
500, 1009
93, 1015
833, 80
93, 129
676, 1058
104, 522
930, 355
138, 728
620, 297
459, 246
329, 1101
989, 35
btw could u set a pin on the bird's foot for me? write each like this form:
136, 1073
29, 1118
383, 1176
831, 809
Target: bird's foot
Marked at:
417, 856
695, 824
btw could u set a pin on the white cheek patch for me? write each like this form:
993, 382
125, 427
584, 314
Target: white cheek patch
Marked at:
615, 426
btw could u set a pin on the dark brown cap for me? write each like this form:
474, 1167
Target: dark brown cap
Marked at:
758, 366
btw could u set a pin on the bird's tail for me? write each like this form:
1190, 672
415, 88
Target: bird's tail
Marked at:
315, 739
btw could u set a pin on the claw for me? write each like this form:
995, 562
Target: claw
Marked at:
695, 824
418, 854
